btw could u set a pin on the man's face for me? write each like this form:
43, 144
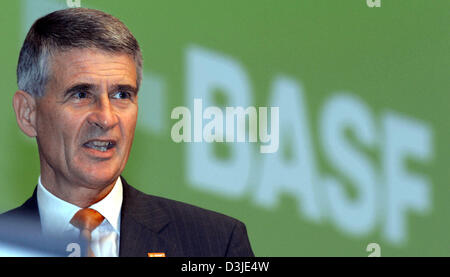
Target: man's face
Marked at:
85, 122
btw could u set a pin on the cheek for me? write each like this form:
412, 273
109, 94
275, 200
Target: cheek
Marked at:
129, 122
49, 139
132, 125
58, 130
129, 126
47, 128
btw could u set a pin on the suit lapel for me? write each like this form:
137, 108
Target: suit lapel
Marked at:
143, 225
31, 205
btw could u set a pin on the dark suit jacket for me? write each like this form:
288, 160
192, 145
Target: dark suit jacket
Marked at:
151, 224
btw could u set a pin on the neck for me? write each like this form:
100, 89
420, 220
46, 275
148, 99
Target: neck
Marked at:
79, 194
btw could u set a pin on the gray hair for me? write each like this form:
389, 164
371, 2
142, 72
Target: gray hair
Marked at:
67, 29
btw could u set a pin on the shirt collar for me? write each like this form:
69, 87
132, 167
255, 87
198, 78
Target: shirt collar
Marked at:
111, 205
56, 213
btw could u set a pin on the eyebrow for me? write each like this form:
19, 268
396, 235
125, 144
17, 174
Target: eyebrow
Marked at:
79, 87
128, 88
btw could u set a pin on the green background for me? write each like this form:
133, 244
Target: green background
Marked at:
392, 58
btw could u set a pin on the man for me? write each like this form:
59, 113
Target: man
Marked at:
78, 75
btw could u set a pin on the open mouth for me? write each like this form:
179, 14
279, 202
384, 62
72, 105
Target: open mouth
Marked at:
100, 145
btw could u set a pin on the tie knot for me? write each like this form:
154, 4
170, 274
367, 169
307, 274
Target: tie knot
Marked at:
87, 219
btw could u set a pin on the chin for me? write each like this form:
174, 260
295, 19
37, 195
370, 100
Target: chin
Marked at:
101, 178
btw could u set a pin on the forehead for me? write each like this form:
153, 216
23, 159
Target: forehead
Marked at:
92, 66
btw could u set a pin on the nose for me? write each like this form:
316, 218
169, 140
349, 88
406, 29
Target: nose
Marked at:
103, 116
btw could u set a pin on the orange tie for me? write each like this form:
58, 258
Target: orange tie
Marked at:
87, 220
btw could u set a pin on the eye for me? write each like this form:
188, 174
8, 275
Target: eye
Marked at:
80, 95
121, 95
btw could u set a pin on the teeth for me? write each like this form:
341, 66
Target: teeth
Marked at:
103, 149
99, 145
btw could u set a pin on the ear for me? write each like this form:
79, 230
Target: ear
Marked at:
25, 108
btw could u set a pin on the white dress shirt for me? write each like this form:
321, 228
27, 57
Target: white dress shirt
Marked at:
56, 214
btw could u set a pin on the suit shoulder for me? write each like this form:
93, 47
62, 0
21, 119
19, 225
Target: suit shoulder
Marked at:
188, 212
18, 213
203, 232
21, 221
7, 215
193, 230
175, 210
